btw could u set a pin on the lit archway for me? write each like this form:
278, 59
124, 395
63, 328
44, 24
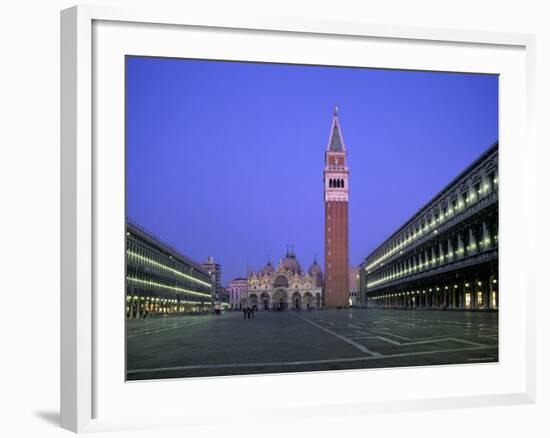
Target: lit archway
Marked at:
264, 301
280, 300
253, 301
296, 301
308, 301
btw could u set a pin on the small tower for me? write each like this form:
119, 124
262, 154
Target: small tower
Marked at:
336, 188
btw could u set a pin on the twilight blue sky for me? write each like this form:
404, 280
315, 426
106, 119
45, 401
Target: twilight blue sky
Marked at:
226, 159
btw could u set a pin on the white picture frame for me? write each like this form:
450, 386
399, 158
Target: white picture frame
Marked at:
83, 370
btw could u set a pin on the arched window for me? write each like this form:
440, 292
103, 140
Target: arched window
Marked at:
281, 281
337, 183
342, 184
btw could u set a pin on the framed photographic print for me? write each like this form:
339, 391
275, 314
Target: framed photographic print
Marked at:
291, 206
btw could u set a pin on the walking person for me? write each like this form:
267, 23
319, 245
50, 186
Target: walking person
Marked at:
244, 312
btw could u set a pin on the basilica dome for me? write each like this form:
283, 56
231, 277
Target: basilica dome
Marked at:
290, 263
268, 269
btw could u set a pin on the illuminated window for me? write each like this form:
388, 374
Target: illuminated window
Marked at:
494, 299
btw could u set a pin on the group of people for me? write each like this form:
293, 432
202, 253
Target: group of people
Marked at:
248, 312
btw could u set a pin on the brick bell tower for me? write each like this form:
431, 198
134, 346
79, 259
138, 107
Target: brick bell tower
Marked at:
336, 177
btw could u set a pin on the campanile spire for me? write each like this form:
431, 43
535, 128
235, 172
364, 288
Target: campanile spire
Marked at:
336, 193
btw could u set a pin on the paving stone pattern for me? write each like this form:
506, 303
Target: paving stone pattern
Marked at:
277, 342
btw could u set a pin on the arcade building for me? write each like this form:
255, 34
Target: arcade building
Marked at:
161, 280
446, 255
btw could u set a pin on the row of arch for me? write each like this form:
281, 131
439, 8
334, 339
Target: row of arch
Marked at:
462, 241
478, 184
474, 291
336, 183
283, 301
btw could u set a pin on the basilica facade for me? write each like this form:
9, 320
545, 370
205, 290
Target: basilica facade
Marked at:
286, 287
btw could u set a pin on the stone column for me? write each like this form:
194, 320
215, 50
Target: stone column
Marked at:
474, 196
482, 185
450, 251
472, 245
487, 293
460, 246
486, 238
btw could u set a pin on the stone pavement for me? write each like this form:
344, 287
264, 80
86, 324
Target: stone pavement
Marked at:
275, 342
